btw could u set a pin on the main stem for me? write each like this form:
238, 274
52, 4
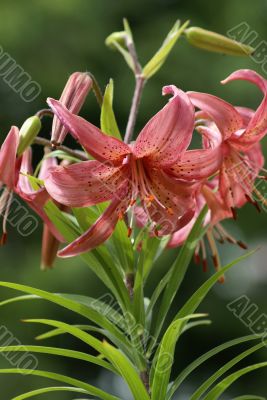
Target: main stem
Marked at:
139, 86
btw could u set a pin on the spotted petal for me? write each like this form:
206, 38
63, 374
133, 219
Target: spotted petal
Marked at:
85, 183
99, 232
224, 114
100, 146
168, 134
257, 127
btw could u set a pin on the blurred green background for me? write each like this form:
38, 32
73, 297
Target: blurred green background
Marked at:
50, 40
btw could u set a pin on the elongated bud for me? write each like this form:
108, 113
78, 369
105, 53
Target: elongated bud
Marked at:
28, 133
73, 97
50, 246
116, 38
215, 42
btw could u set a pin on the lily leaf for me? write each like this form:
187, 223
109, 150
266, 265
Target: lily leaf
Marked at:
107, 118
160, 57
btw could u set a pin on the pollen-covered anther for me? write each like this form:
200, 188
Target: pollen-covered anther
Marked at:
148, 199
129, 233
120, 215
170, 211
132, 202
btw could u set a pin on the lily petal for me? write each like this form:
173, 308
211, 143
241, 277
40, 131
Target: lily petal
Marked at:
35, 199
85, 183
257, 127
8, 158
98, 233
168, 134
100, 146
224, 114
218, 209
197, 164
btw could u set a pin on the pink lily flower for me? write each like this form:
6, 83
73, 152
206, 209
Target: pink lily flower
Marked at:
8, 175
238, 132
13, 181
217, 212
36, 199
73, 97
123, 173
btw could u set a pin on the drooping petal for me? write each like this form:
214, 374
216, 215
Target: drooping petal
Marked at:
224, 114
73, 97
86, 183
167, 135
100, 146
179, 237
257, 127
36, 199
165, 222
8, 153
218, 209
99, 232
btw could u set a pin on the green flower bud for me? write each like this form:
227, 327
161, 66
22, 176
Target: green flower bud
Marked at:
28, 133
215, 42
116, 38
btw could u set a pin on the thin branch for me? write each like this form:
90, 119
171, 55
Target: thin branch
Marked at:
74, 153
139, 86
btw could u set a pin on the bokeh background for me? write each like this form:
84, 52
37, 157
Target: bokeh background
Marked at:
50, 40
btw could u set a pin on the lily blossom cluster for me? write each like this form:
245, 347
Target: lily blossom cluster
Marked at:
157, 181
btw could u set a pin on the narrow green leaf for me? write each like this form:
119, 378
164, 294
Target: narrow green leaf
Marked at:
157, 292
195, 324
128, 372
62, 378
107, 119
57, 332
212, 379
60, 352
50, 389
221, 387
164, 357
83, 336
160, 57
249, 397
203, 358
138, 290
99, 260
195, 300
176, 276
81, 309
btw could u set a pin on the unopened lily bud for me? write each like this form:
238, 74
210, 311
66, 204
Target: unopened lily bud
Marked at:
118, 38
73, 97
215, 42
28, 133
